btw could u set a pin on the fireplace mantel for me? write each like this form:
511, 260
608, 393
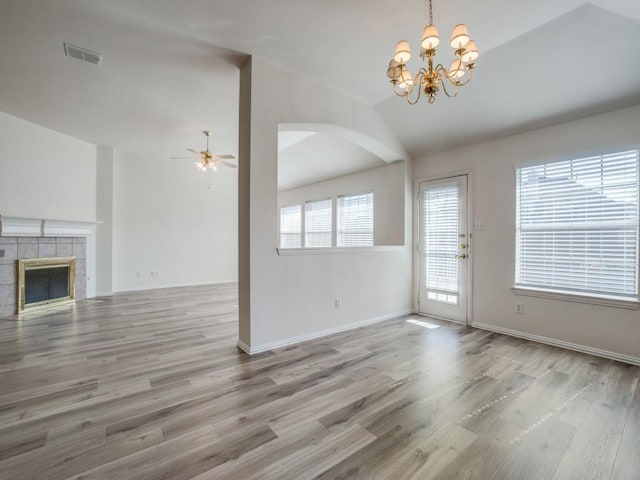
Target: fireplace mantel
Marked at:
34, 227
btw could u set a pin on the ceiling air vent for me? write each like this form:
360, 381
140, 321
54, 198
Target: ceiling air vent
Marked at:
83, 54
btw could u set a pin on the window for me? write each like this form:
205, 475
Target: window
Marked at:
317, 224
577, 226
441, 214
355, 220
291, 227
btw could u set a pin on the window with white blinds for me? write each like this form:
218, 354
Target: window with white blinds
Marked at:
355, 220
291, 226
317, 223
441, 213
577, 226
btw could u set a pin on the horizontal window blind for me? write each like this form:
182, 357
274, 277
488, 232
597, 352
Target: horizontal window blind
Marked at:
441, 211
577, 225
317, 230
291, 226
355, 220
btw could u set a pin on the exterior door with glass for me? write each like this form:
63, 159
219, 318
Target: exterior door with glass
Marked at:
444, 249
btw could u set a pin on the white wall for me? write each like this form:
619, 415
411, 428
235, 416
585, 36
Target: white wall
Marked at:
166, 220
288, 297
493, 165
104, 230
45, 174
387, 184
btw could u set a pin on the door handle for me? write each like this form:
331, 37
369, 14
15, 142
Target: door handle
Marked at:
463, 256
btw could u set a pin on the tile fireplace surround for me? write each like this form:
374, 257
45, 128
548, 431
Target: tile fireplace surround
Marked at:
37, 247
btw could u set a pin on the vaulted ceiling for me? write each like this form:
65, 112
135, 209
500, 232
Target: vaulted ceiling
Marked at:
170, 68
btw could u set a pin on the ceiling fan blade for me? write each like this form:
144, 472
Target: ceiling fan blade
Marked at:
194, 151
181, 158
227, 164
226, 157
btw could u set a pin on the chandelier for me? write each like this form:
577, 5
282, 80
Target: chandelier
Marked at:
429, 79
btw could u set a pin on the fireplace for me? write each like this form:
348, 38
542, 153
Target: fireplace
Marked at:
43, 281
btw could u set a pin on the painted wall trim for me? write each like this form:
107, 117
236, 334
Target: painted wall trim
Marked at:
319, 334
575, 297
173, 285
560, 343
338, 250
35, 227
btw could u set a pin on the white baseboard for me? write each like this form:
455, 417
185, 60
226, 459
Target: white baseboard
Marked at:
318, 334
172, 285
244, 347
560, 343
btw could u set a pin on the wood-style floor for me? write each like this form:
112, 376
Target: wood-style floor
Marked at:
150, 385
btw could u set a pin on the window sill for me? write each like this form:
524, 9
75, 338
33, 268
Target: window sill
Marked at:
576, 297
333, 250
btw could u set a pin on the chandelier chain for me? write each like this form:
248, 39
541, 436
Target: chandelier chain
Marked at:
430, 13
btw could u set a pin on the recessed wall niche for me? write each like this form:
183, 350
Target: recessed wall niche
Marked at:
320, 162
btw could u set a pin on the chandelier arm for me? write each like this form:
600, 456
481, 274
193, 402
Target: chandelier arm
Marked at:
410, 102
446, 92
443, 71
402, 93
462, 84
417, 80
445, 74
407, 94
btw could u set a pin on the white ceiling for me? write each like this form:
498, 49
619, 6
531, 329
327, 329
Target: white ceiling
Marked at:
170, 67
309, 157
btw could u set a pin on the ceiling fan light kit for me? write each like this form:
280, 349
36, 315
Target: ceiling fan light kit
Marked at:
208, 160
430, 79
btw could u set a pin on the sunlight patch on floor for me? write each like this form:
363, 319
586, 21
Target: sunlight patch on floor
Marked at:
420, 323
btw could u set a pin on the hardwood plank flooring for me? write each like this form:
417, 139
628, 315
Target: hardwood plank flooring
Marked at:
150, 386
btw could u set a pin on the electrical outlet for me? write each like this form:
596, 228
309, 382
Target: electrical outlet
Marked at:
519, 307
338, 303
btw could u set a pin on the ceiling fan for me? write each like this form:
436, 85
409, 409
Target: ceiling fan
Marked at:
207, 160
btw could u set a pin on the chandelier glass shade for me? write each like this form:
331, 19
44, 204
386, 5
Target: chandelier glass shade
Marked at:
432, 77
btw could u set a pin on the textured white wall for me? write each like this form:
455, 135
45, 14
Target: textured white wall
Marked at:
166, 220
290, 296
493, 165
45, 174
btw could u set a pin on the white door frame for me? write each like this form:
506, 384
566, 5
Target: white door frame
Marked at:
416, 238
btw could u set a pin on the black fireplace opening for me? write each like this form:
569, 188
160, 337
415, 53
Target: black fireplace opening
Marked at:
43, 284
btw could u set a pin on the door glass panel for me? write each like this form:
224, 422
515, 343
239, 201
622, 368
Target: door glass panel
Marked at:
441, 211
